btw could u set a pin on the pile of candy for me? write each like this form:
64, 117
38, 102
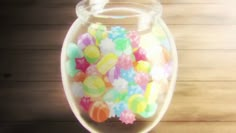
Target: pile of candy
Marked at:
118, 73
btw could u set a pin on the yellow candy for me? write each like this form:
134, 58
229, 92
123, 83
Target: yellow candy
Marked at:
142, 66
151, 92
94, 86
106, 63
137, 103
91, 53
98, 31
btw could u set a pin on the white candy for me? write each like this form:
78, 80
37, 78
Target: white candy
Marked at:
107, 46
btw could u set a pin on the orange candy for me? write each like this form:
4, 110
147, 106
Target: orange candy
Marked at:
80, 77
166, 55
99, 111
106, 81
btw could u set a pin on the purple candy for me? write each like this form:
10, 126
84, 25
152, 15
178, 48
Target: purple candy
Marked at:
113, 74
85, 40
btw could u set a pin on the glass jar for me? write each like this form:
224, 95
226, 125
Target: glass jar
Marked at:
118, 65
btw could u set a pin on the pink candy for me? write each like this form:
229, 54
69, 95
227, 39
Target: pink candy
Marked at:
85, 40
85, 103
142, 79
125, 62
113, 74
81, 64
140, 54
134, 38
127, 117
92, 70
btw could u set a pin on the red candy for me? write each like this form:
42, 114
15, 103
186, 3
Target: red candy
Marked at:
80, 77
85, 103
81, 64
140, 54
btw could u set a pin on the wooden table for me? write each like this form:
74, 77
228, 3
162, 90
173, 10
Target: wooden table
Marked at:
32, 98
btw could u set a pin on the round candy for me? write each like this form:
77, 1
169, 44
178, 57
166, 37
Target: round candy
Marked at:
137, 103
140, 54
80, 77
73, 51
117, 32
81, 64
150, 110
134, 38
151, 92
70, 68
142, 66
85, 103
94, 86
127, 117
85, 40
113, 73
125, 62
106, 63
107, 46
77, 89
98, 31
99, 111
92, 53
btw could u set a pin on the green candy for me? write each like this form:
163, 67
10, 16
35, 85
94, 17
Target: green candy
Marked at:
73, 51
149, 111
70, 68
122, 44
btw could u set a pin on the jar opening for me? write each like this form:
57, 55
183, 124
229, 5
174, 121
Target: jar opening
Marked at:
118, 13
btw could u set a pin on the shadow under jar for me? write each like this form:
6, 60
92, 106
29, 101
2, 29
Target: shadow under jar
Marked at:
119, 66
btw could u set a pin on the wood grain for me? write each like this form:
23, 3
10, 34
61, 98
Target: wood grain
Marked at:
45, 101
172, 14
44, 65
200, 37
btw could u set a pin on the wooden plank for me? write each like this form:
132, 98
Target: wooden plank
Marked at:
172, 14
44, 65
203, 37
45, 101
74, 2
163, 127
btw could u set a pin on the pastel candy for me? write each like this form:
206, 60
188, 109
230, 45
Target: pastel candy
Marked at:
142, 78
70, 67
117, 32
77, 89
159, 73
92, 53
122, 44
80, 77
85, 40
106, 63
134, 38
128, 75
140, 54
73, 51
99, 111
112, 96
107, 46
81, 64
119, 108
143, 66
150, 110
151, 93
127, 117
92, 70
137, 103
125, 62
98, 31
134, 89
120, 84
94, 86
113, 73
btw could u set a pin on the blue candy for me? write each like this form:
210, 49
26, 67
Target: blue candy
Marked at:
128, 75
